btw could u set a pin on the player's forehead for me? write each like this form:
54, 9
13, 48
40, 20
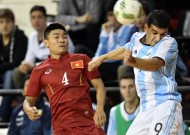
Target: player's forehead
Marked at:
154, 28
57, 32
127, 81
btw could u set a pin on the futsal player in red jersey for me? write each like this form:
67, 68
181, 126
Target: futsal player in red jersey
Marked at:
64, 77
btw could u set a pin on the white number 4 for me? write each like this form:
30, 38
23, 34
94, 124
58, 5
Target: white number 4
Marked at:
65, 80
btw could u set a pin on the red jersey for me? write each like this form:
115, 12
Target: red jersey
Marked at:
65, 82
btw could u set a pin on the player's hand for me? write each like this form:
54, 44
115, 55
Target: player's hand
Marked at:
99, 117
23, 68
107, 26
94, 64
26, 67
33, 113
128, 58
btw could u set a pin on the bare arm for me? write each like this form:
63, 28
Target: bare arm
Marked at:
117, 54
30, 109
99, 117
151, 64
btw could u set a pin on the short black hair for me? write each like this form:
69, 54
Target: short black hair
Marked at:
51, 27
159, 18
7, 13
39, 8
128, 74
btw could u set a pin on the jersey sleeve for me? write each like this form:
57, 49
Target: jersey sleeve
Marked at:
131, 44
112, 122
90, 74
34, 86
166, 50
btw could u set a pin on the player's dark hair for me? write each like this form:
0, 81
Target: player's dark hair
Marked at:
7, 13
51, 27
39, 8
158, 18
128, 74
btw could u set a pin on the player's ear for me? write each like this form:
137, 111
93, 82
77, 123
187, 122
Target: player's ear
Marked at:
46, 43
145, 27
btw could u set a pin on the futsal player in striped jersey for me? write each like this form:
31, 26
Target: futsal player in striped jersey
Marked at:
65, 76
153, 54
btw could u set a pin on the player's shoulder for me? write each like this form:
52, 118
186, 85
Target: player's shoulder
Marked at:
168, 38
113, 109
42, 66
78, 56
169, 41
138, 35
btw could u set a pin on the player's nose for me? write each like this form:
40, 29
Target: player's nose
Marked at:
158, 37
61, 40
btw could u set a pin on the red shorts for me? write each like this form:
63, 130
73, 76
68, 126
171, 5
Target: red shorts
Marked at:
84, 130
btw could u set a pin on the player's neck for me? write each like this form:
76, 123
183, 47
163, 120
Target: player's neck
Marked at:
130, 107
55, 56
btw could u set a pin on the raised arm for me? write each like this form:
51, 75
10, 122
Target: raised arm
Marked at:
99, 116
30, 109
150, 64
117, 54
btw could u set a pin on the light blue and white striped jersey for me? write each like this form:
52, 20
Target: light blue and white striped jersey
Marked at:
155, 87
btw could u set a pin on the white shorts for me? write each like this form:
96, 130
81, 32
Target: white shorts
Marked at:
164, 119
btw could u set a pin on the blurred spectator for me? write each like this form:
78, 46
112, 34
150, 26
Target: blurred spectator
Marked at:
13, 46
82, 19
20, 123
123, 114
36, 52
113, 35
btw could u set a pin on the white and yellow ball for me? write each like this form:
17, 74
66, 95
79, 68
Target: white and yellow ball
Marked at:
127, 11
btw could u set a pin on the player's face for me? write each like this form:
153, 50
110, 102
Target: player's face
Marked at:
6, 26
128, 89
38, 20
154, 34
57, 42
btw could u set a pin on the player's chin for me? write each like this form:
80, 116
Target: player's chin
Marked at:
63, 51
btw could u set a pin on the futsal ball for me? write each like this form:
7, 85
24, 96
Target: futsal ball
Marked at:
127, 11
